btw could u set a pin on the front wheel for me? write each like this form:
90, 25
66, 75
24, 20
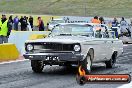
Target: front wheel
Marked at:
87, 64
37, 66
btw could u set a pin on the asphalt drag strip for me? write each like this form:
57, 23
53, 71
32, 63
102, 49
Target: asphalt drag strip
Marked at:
18, 74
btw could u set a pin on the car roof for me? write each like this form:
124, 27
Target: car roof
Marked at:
92, 24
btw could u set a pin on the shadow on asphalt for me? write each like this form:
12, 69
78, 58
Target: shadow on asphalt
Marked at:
128, 43
57, 70
60, 70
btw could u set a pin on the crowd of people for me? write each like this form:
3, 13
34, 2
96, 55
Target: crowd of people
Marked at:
26, 24
114, 23
125, 27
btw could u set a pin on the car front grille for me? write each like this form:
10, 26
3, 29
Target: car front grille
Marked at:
45, 47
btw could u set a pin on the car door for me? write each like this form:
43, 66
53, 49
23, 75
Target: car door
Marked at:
107, 46
109, 43
100, 47
112, 42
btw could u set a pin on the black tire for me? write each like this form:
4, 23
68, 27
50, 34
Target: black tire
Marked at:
125, 42
111, 62
87, 64
68, 66
37, 66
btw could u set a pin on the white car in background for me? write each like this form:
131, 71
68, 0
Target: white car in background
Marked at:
74, 44
55, 22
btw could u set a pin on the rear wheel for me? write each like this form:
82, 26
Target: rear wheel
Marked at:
111, 62
37, 66
87, 64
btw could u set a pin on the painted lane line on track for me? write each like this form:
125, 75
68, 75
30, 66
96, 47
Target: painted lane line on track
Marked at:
129, 85
1, 63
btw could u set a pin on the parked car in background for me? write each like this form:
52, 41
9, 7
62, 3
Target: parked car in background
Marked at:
74, 44
54, 22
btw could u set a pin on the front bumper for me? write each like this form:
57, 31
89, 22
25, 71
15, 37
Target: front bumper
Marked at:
55, 56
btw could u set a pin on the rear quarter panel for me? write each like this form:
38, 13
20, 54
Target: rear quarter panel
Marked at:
118, 46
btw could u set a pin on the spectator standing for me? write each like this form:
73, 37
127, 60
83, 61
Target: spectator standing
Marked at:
123, 25
22, 23
102, 20
10, 24
115, 22
25, 23
10, 18
28, 26
40, 24
16, 21
4, 30
31, 22
95, 20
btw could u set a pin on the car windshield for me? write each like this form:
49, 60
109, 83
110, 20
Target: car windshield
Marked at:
73, 29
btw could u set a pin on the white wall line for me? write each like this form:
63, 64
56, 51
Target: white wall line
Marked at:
13, 61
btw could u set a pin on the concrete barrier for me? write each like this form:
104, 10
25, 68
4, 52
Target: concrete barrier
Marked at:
8, 52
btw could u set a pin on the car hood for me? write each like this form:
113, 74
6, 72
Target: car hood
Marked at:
63, 39
53, 24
